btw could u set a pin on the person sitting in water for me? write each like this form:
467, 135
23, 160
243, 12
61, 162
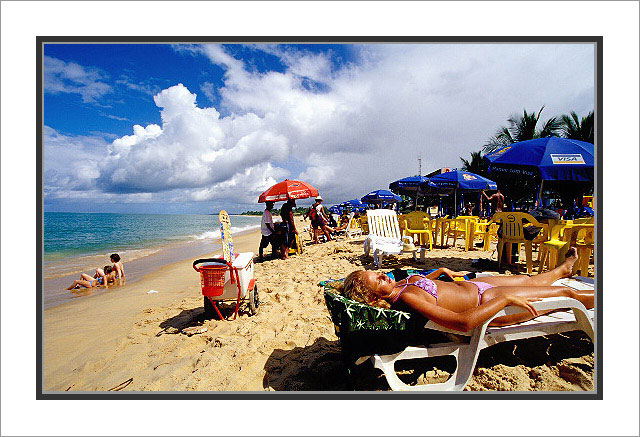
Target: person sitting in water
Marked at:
462, 305
101, 277
117, 265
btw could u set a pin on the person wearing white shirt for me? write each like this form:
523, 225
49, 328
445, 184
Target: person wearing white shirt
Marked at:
266, 228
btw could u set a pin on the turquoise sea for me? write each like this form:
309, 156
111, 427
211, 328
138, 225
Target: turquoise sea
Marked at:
76, 234
81, 242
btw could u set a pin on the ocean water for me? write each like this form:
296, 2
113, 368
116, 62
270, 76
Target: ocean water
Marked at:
68, 235
81, 242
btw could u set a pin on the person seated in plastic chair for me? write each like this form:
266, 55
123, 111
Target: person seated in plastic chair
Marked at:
462, 305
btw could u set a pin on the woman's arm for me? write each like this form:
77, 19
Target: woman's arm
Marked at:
467, 320
443, 270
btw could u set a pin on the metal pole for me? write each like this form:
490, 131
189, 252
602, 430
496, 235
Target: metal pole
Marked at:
540, 193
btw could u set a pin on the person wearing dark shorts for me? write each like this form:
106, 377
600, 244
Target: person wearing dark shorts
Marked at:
268, 231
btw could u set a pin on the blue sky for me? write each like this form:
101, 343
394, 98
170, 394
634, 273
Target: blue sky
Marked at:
186, 128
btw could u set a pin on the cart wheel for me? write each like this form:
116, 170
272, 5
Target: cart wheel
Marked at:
209, 310
254, 301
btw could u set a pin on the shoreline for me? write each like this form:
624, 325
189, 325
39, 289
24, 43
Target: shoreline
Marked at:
154, 259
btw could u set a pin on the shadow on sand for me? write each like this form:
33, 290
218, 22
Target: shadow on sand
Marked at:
320, 366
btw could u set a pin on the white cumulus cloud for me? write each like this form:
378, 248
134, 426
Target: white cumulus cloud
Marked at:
361, 126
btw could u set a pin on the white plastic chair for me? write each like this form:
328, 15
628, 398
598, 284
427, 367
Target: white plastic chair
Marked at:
466, 346
384, 235
353, 227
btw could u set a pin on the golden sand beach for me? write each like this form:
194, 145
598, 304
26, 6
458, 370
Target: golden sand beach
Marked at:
125, 334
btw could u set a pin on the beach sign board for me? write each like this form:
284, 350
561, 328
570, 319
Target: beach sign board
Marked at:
225, 234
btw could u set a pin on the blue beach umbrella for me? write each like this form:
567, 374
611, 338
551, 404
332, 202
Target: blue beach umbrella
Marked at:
462, 180
458, 180
353, 204
335, 209
381, 196
408, 185
553, 158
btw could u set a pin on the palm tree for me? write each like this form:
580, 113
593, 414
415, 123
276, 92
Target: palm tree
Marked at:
522, 128
477, 164
578, 129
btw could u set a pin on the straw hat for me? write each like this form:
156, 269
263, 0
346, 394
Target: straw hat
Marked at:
318, 198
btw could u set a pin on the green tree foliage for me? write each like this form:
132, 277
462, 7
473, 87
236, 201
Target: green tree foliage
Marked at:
523, 127
476, 165
576, 128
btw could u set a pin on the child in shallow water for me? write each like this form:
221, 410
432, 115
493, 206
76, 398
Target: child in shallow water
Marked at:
463, 305
102, 276
117, 265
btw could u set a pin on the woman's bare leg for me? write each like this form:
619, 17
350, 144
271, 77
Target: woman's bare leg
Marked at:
543, 279
86, 277
82, 282
532, 293
539, 292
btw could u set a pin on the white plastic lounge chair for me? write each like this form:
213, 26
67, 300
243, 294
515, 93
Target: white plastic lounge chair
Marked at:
466, 351
384, 235
464, 347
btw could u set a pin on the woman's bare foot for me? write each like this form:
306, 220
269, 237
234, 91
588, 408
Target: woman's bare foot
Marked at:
570, 259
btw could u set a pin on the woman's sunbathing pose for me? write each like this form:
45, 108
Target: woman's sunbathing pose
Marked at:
102, 277
463, 305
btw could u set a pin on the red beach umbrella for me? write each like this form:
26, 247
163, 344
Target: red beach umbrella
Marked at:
286, 190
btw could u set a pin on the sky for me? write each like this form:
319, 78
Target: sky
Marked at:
196, 128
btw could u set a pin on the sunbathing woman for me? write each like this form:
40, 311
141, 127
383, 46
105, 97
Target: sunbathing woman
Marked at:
101, 277
463, 305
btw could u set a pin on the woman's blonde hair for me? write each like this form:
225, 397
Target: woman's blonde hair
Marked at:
354, 288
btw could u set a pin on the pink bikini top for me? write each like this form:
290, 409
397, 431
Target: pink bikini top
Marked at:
426, 284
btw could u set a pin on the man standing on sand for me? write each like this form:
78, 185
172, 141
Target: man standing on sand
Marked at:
267, 230
496, 199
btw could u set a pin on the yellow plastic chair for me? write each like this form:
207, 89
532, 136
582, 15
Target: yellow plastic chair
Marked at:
583, 221
364, 224
417, 223
584, 244
462, 226
512, 232
489, 231
558, 243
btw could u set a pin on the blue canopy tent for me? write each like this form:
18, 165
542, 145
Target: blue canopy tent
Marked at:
553, 158
458, 180
408, 186
381, 197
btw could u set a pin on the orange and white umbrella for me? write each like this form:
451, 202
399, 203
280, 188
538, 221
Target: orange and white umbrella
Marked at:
286, 190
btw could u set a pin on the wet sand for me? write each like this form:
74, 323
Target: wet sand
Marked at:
126, 334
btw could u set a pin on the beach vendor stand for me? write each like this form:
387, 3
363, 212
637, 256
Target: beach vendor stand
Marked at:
229, 277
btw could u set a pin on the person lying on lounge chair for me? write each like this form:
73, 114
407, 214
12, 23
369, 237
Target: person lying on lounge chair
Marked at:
103, 276
463, 305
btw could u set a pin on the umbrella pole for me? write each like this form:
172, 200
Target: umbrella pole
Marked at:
540, 194
455, 202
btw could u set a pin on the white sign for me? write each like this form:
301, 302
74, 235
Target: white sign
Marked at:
567, 158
